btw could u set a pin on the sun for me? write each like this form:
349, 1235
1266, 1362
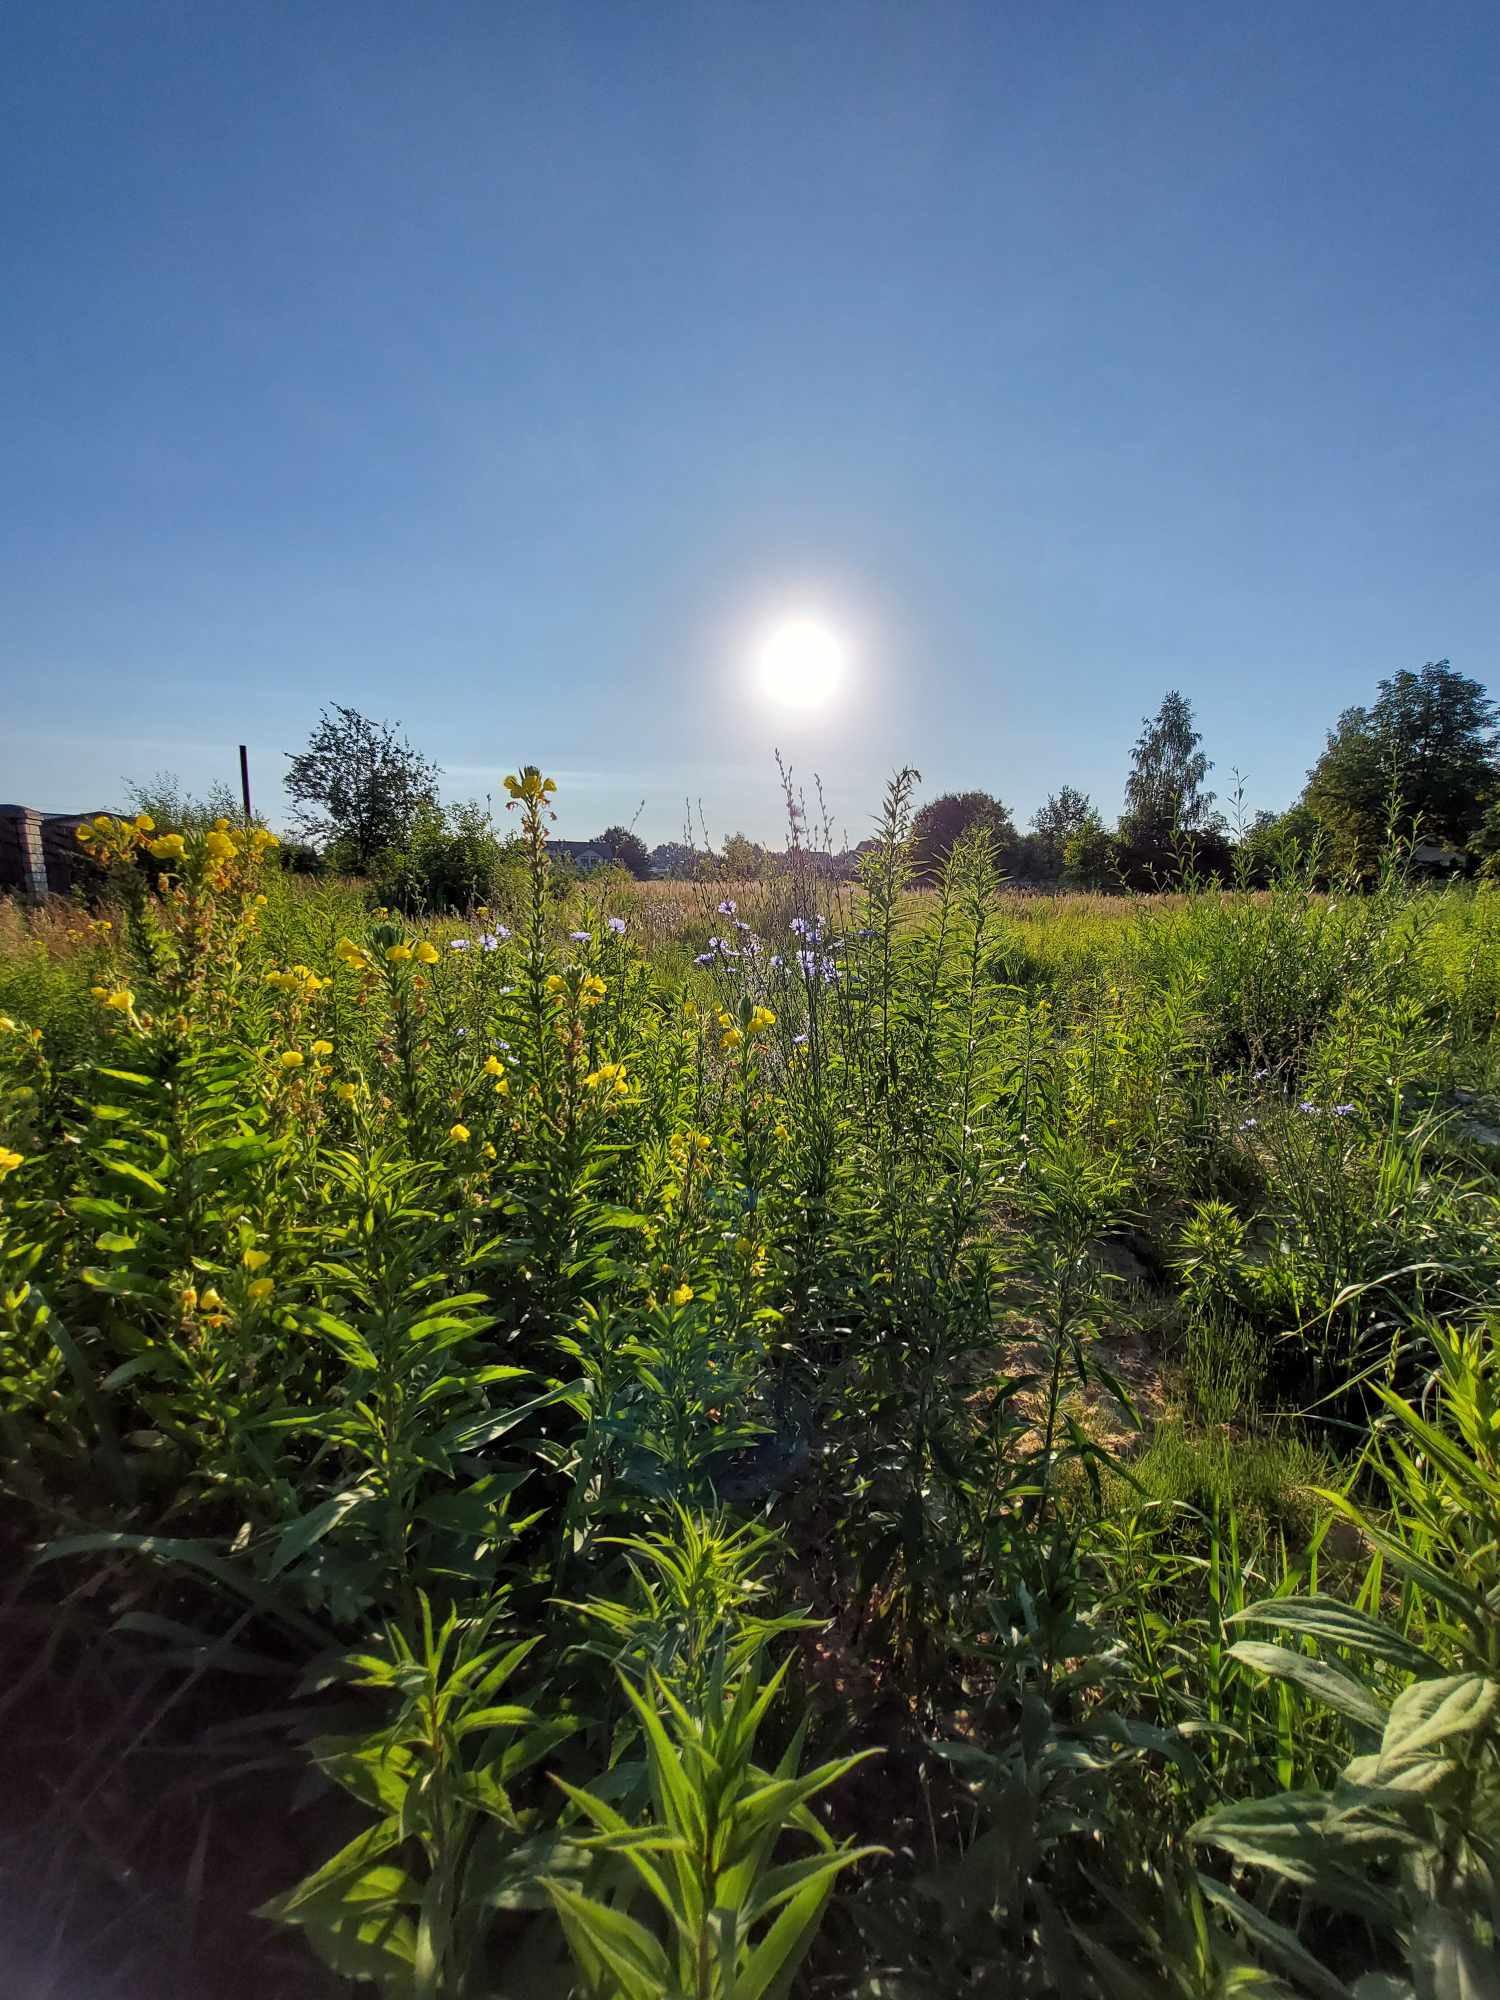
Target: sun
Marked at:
801, 664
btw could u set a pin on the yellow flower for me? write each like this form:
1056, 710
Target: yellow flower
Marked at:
427, 953
555, 982
459, 1134
260, 902
83, 833
761, 1018
322, 1048
344, 1092
144, 823
103, 822
782, 1133
255, 1260
121, 1000
263, 837
494, 1067
682, 1295
730, 1039
260, 1289
488, 1150
170, 847
210, 1300
218, 846
291, 1059
399, 954
189, 1299
8, 1026
9, 1161
502, 1086
220, 824
483, 910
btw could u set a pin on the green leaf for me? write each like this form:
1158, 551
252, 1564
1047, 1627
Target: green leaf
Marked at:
299, 1536
1336, 1624
626, 1947
1274, 1939
1335, 1689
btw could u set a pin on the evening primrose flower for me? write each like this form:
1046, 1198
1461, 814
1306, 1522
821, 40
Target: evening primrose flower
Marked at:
761, 1018
144, 823
459, 1134
730, 1039
322, 1048
260, 1289
344, 1092
502, 1086
493, 1066
9, 1161
255, 1260
682, 1295
398, 954
555, 982
290, 1059
427, 953
121, 1000
170, 847
210, 1300
218, 846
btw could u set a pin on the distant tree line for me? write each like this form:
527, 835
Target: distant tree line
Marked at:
1419, 766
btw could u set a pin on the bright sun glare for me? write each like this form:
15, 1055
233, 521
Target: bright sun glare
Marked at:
801, 663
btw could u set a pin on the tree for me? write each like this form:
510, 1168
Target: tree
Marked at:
676, 861
1090, 858
942, 821
744, 859
1422, 759
627, 849
360, 784
1053, 825
1165, 803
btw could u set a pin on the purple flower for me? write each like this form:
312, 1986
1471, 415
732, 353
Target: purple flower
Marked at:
1261, 1075
1344, 1110
501, 933
830, 972
704, 958
777, 961
581, 937
808, 960
728, 907
617, 925
800, 926
1248, 1124
1309, 1107
460, 944
489, 942
462, 1034
799, 1041
716, 944
740, 924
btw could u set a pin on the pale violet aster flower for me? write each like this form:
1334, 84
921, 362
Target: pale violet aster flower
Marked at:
728, 907
581, 937
460, 944
617, 925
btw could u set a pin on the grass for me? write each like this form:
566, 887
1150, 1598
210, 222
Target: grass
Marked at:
611, 1410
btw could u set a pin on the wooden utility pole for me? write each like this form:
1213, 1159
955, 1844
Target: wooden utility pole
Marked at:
245, 780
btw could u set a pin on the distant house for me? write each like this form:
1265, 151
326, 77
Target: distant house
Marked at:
39, 852
579, 854
1434, 862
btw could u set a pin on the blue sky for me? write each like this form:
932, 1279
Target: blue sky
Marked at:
507, 369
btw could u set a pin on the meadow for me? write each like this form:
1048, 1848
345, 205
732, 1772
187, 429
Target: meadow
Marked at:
697, 1442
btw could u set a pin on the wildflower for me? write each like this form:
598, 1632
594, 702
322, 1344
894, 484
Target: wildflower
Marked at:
800, 1041
782, 1134
761, 1018
351, 953
617, 925
427, 953
260, 902
554, 982
800, 927
1344, 1110
459, 1134
170, 847
581, 937
777, 961
460, 944
530, 785
263, 837
322, 1048
682, 1295
121, 1000
188, 1298
1309, 1107
483, 911
255, 1260
83, 833
291, 1059
730, 1039
1248, 1124
592, 991
344, 1092
502, 1086
728, 907
260, 1289
9, 1161
218, 846
144, 823
488, 1151
210, 1300
398, 954
704, 958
